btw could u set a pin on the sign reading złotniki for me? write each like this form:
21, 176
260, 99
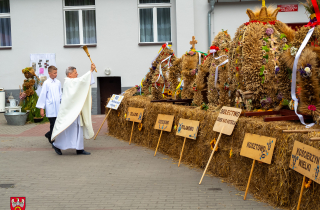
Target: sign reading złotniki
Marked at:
258, 147
305, 160
227, 119
188, 128
115, 102
164, 122
135, 114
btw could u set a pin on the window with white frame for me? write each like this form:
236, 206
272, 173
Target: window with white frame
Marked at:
154, 20
79, 22
5, 24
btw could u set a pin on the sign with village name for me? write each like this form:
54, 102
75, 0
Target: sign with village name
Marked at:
227, 119
135, 114
288, 7
305, 160
164, 122
258, 147
188, 128
115, 102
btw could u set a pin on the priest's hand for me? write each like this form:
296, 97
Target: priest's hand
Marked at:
92, 67
42, 112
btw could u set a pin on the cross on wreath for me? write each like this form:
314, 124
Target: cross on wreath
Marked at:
193, 42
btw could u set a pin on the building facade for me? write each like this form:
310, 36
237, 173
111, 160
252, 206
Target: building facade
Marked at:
122, 36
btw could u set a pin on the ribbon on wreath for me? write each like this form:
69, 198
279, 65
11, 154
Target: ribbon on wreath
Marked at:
316, 22
141, 85
294, 77
216, 75
180, 85
166, 45
161, 74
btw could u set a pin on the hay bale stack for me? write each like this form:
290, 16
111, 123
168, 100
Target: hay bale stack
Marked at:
275, 183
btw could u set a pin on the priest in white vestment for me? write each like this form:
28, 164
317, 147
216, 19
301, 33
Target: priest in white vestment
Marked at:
74, 117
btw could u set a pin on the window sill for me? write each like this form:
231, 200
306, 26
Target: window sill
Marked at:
5, 48
77, 46
152, 43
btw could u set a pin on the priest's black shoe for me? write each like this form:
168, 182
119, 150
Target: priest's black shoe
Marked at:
48, 137
82, 152
58, 151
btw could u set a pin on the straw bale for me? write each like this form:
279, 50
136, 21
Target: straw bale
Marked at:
275, 183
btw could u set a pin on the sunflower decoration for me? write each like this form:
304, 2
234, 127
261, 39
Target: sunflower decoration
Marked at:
230, 154
119, 113
308, 183
175, 127
213, 143
125, 115
140, 126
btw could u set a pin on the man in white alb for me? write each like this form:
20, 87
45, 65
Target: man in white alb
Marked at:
50, 99
74, 117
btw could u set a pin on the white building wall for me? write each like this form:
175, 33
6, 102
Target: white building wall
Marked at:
229, 16
184, 25
37, 27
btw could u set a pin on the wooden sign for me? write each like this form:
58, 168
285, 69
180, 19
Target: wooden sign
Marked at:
227, 119
305, 160
258, 147
164, 122
188, 128
115, 102
135, 114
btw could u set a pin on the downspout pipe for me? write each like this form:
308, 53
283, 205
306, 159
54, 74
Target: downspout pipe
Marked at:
211, 2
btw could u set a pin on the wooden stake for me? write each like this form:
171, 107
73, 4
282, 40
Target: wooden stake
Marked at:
315, 139
301, 131
184, 142
131, 133
214, 149
102, 124
158, 144
302, 187
245, 195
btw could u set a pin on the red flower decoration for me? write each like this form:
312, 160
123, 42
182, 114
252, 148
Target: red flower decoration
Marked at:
237, 68
312, 107
164, 45
314, 24
226, 50
214, 48
272, 22
257, 21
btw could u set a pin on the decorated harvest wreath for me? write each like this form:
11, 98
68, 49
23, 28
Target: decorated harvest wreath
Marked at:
252, 71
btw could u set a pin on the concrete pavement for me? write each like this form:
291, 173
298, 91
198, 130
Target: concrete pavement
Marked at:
114, 176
